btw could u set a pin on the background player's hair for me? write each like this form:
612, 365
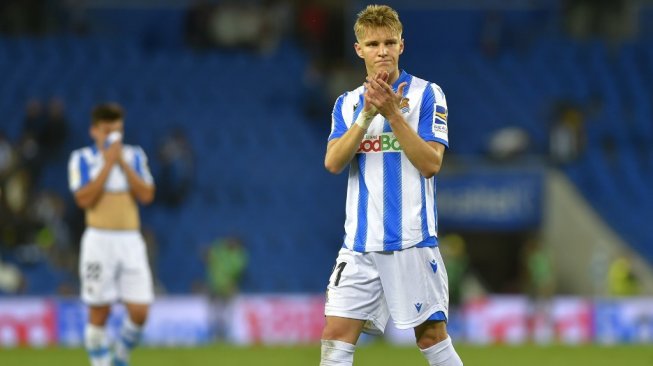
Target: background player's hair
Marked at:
377, 16
106, 112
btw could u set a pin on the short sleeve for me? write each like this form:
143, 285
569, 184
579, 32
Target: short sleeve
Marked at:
78, 171
141, 166
338, 125
433, 116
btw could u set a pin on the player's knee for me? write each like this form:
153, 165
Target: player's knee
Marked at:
431, 334
138, 314
339, 333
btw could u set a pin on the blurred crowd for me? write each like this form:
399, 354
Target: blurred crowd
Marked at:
39, 225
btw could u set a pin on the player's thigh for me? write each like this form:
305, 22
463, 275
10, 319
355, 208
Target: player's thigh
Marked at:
97, 268
135, 277
355, 292
415, 285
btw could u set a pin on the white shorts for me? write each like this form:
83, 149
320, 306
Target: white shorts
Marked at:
113, 266
411, 285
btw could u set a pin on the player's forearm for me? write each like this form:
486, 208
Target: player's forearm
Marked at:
426, 158
87, 196
340, 151
140, 190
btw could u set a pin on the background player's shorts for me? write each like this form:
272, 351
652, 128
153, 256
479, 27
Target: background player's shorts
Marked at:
411, 285
113, 266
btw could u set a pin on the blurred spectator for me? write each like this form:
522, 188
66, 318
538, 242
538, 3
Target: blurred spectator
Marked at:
53, 237
454, 254
622, 281
28, 147
8, 158
226, 262
177, 168
196, 24
613, 19
34, 118
321, 29
23, 17
52, 135
11, 279
567, 135
540, 287
152, 245
508, 143
540, 282
492, 33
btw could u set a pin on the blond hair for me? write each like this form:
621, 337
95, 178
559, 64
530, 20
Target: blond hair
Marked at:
377, 16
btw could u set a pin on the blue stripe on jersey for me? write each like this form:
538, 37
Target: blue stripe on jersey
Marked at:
339, 126
429, 242
361, 229
359, 107
137, 163
391, 198
83, 171
392, 189
425, 225
435, 204
425, 124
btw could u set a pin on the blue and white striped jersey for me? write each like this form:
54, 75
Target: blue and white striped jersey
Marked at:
86, 163
390, 205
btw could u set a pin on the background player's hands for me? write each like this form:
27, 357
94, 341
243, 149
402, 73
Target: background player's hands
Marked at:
380, 94
113, 153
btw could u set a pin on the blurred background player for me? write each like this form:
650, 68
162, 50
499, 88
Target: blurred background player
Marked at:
108, 179
392, 132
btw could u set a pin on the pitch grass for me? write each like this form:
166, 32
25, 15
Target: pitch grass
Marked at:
377, 354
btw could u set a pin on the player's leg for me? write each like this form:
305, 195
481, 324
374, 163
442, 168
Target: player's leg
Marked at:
339, 340
136, 292
423, 305
96, 269
435, 344
354, 303
95, 335
131, 331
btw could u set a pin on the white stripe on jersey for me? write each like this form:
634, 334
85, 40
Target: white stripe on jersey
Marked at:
86, 163
390, 206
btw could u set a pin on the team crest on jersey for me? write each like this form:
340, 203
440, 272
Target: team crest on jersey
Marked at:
404, 106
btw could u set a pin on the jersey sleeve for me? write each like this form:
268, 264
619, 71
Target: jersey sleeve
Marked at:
78, 171
140, 165
338, 125
433, 116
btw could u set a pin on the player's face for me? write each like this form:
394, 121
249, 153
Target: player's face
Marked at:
101, 130
380, 48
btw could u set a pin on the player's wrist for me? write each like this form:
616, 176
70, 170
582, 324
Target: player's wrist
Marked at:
365, 118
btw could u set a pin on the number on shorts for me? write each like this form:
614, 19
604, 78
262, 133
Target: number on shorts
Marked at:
339, 267
93, 270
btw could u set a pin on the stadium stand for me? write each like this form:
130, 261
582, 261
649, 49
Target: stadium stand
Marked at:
259, 160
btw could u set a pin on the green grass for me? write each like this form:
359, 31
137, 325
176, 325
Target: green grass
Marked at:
377, 354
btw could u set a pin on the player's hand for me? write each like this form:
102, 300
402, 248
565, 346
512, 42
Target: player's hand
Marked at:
113, 153
368, 107
382, 97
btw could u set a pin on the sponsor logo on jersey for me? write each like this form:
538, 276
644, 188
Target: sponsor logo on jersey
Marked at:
418, 307
383, 143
